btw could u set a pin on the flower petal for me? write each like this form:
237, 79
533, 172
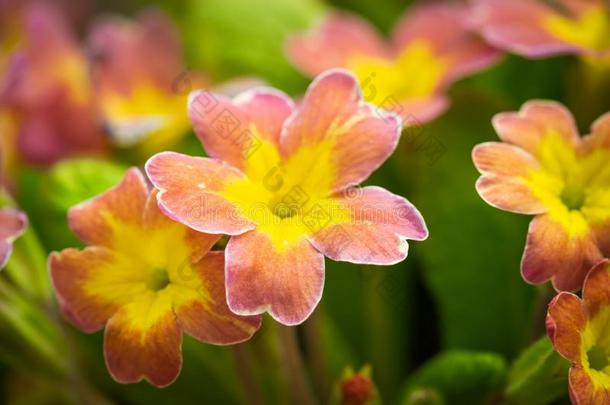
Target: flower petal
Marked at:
379, 225
189, 190
536, 120
596, 290
566, 320
551, 252
583, 390
96, 221
504, 169
203, 312
12, 224
288, 284
232, 130
339, 37
519, 27
457, 42
334, 116
91, 285
143, 340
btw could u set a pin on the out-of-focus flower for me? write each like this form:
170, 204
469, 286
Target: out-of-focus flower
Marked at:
137, 71
544, 168
578, 329
47, 92
535, 28
279, 180
12, 224
432, 46
355, 388
147, 279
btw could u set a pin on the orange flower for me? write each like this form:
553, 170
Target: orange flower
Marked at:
146, 279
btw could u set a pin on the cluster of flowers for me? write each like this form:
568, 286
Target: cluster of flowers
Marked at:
279, 176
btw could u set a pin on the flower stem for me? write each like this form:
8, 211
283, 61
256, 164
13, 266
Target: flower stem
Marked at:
294, 367
243, 360
317, 359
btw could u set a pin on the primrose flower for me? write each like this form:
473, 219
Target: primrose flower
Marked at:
544, 168
432, 45
46, 81
279, 180
147, 279
12, 224
536, 29
578, 329
137, 71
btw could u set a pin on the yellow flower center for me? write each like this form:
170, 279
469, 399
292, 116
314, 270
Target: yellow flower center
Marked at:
414, 74
591, 30
573, 186
597, 358
158, 279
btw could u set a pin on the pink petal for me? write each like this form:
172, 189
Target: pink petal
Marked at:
377, 231
288, 283
518, 26
339, 37
361, 135
189, 190
12, 224
231, 130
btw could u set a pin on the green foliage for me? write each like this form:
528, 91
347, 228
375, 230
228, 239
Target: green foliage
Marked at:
460, 377
538, 376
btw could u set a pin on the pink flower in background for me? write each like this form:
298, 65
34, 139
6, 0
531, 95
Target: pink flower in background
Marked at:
12, 225
536, 29
431, 46
47, 94
137, 68
278, 181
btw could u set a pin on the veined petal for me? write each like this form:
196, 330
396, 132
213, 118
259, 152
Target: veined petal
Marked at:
552, 251
596, 290
91, 284
456, 42
12, 224
190, 192
334, 121
566, 321
503, 184
535, 121
143, 340
339, 37
233, 130
583, 390
600, 135
379, 225
519, 27
202, 311
288, 284
97, 220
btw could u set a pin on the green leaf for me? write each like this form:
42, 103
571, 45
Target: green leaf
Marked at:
538, 376
460, 377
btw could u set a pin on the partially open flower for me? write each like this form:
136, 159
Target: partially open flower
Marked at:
138, 74
545, 168
407, 75
146, 279
12, 225
578, 329
280, 180
535, 28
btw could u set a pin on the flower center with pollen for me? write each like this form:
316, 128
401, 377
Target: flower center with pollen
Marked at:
158, 279
597, 358
573, 197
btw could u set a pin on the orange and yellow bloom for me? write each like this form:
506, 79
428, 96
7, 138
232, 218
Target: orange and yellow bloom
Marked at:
544, 168
535, 28
578, 329
146, 279
408, 75
279, 181
137, 70
12, 224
